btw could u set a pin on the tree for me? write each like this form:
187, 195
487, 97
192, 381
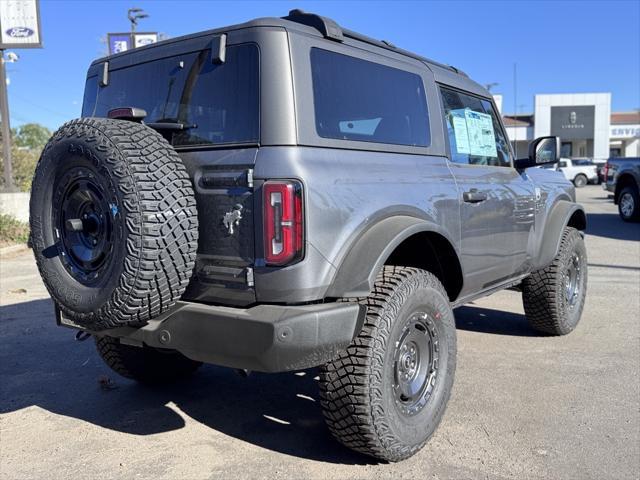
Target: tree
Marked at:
32, 135
28, 142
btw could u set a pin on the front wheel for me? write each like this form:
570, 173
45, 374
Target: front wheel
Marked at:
553, 297
629, 204
386, 394
580, 180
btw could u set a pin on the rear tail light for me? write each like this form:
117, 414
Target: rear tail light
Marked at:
283, 222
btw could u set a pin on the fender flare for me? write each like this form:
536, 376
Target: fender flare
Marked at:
622, 181
557, 220
359, 268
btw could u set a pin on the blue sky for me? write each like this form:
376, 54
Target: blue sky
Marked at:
559, 47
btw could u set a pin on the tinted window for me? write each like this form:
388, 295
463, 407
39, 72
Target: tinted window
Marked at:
219, 101
364, 101
475, 134
583, 163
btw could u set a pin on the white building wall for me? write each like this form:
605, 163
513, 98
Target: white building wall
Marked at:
498, 99
632, 148
602, 104
520, 136
626, 136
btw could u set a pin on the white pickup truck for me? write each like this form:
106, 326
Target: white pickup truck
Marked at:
578, 171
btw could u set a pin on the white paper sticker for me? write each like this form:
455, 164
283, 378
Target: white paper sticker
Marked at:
474, 133
460, 132
482, 140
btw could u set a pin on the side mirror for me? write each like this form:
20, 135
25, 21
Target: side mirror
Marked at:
542, 151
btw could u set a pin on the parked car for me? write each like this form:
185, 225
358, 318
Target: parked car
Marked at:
599, 163
286, 194
579, 171
622, 179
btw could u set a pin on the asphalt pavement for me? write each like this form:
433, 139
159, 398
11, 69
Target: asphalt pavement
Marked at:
523, 406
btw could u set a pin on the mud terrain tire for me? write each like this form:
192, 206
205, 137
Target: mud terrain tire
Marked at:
383, 396
114, 226
554, 297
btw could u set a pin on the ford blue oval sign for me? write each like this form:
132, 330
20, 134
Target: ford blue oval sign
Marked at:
20, 32
20, 24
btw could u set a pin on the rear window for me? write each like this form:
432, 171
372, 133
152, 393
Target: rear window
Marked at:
583, 163
364, 101
219, 102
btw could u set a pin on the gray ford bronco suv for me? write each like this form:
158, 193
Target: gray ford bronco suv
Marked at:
286, 194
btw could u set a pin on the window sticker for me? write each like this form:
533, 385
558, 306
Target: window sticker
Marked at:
460, 131
474, 133
482, 140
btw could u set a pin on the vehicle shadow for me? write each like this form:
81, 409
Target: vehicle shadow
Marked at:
610, 225
497, 322
42, 365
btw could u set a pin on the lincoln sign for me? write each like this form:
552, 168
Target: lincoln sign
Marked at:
573, 123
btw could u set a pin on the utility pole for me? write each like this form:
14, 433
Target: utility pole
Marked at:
20, 26
6, 127
515, 103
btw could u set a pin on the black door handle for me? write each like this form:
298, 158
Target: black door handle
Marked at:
474, 196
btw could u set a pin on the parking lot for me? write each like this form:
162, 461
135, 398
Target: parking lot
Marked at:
523, 406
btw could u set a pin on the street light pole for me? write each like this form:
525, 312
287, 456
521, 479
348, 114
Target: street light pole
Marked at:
6, 127
135, 14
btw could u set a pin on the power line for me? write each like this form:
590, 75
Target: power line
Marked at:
42, 107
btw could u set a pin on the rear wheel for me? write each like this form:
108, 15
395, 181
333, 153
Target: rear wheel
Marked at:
553, 297
145, 364
629, 204
580, 180
386, 394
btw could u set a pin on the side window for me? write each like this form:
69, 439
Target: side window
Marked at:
562, 164
363, 101
475, 134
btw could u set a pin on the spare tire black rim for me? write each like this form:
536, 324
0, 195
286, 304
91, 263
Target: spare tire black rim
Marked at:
415, 364
83, 219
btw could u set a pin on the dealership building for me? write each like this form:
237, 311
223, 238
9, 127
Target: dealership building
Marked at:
584, 122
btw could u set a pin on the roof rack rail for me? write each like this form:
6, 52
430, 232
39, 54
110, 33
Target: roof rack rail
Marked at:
330, 29
327, 27
389, 46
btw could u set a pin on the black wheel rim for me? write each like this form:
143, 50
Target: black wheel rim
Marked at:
83, 222
415, 364
572, 280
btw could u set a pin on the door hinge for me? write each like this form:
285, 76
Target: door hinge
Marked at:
250, 178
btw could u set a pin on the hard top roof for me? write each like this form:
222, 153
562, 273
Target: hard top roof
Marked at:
316, 25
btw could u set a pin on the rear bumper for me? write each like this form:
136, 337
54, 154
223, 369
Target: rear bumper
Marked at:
266, 338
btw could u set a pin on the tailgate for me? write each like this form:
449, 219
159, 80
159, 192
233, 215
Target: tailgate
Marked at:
223, 182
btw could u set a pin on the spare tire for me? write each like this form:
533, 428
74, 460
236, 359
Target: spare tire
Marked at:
114, 224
